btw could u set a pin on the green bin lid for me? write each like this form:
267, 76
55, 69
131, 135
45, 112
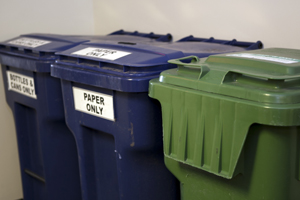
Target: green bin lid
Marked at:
268, 75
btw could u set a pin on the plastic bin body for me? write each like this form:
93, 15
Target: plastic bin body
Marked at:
120, 151
231, 125
122, 159
47, 149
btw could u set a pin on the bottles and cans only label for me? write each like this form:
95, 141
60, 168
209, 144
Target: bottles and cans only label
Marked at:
21, 84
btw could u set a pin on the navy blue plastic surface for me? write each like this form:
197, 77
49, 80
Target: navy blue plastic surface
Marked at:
158, 37
47, 149
123, 159
62, 42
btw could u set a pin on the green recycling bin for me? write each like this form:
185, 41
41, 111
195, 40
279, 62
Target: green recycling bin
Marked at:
231, 124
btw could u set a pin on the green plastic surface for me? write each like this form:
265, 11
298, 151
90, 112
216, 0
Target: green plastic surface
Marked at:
210, 109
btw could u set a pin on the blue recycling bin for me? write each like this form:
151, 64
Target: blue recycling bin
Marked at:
117, 127
47, 149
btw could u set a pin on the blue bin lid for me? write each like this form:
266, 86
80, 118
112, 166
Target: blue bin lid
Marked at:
40, 46
126, 67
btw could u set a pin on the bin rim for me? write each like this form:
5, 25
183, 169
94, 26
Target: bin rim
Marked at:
262, 78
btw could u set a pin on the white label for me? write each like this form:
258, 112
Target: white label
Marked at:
94, 103
29, 42
108, 54
266, 57
21, 84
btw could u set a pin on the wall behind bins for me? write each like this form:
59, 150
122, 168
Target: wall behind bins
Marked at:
32, 16
275, 23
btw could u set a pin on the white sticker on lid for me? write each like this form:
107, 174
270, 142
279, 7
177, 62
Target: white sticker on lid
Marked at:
21, 84
94, 103
108, 54
279, 59
29, 42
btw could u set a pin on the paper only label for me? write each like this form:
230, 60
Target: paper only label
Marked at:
21, 84
29, 42
108, 54
94, 103
266, 57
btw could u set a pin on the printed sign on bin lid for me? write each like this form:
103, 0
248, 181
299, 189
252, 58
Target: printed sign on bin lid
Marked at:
102, 53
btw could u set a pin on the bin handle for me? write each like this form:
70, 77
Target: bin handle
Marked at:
232, 76
194, 60
194, 64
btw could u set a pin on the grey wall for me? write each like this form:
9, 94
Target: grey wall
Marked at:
272, 21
